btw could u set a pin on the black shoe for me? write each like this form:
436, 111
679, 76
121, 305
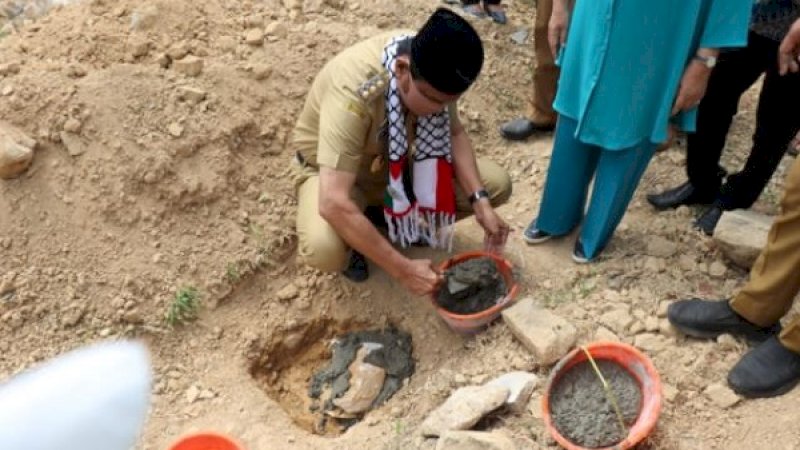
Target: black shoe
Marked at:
685, 194
709, 318
768, 370
578, 255
533, 235
357, 269
709, 219
521, 129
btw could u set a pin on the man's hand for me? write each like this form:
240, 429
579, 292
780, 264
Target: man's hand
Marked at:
495, 229
692, 88
557, 27
419, 277
789, 51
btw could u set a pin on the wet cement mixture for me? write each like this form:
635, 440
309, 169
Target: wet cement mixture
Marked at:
581, 410
388, 349
471, 286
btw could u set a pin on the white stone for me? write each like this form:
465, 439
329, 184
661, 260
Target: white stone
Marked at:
670, 393
192, 394
520, 386
465, 407
722, 396
662, 308
191, 94
475, 440
742, 234
546, 335
175, 129
254, 37
16, 151
717, 269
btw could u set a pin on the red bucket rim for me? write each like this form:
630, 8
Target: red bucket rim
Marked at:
652, 397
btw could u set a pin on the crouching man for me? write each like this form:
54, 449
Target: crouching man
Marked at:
380, 128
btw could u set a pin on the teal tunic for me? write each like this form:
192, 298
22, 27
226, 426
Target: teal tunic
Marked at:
624, 59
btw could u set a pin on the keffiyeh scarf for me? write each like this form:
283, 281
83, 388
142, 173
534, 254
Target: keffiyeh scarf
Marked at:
426, 209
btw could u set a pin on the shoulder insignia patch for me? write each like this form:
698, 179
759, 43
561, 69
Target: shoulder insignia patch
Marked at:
373, 87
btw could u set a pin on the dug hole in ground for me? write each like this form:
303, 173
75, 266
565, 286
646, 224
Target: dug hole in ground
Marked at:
158, 183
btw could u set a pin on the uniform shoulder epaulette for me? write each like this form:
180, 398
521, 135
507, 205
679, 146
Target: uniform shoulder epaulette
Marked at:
374, 86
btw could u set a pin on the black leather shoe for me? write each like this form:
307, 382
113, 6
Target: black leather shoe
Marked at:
357, 269
768, 370
533, 235
521, 129
578, 255
709, 219
709, 318
685, 194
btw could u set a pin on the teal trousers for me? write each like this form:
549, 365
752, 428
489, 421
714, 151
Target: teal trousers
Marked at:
573, 164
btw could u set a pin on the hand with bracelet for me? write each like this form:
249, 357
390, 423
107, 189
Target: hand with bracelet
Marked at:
695, 80
495, 229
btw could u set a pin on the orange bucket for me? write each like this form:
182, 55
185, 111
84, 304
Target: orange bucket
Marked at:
474, 323
632, 360
206, 441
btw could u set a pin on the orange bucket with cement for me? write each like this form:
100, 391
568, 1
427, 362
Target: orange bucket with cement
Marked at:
637, 364
474, 323
206, 441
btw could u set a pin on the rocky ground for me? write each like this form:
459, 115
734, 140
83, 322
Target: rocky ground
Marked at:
159, 172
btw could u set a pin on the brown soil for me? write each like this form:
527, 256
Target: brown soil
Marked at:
147, 181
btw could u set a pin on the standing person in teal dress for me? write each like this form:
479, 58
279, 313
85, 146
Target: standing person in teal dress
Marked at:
628, 69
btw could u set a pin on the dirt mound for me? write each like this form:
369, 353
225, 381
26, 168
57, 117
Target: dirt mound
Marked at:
158, 181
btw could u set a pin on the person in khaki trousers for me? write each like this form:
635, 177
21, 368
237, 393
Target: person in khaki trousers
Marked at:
541, 117
773, 367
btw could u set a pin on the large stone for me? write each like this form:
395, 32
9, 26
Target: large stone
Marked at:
474, 440
465, 407
16, 151
742, 234
520, 387
546, 335
366, 382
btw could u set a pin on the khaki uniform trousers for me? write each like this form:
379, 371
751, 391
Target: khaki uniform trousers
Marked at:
545, 71
775, 276
318, 244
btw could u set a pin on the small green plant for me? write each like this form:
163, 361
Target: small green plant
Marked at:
232, 273
183, 307
399, 427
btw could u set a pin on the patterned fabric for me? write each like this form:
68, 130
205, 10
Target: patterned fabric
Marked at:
426, 210
773, 18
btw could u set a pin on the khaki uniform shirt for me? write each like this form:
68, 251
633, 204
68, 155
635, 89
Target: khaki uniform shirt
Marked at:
341, 123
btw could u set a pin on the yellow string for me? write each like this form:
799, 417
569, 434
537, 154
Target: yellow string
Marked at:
609, 393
